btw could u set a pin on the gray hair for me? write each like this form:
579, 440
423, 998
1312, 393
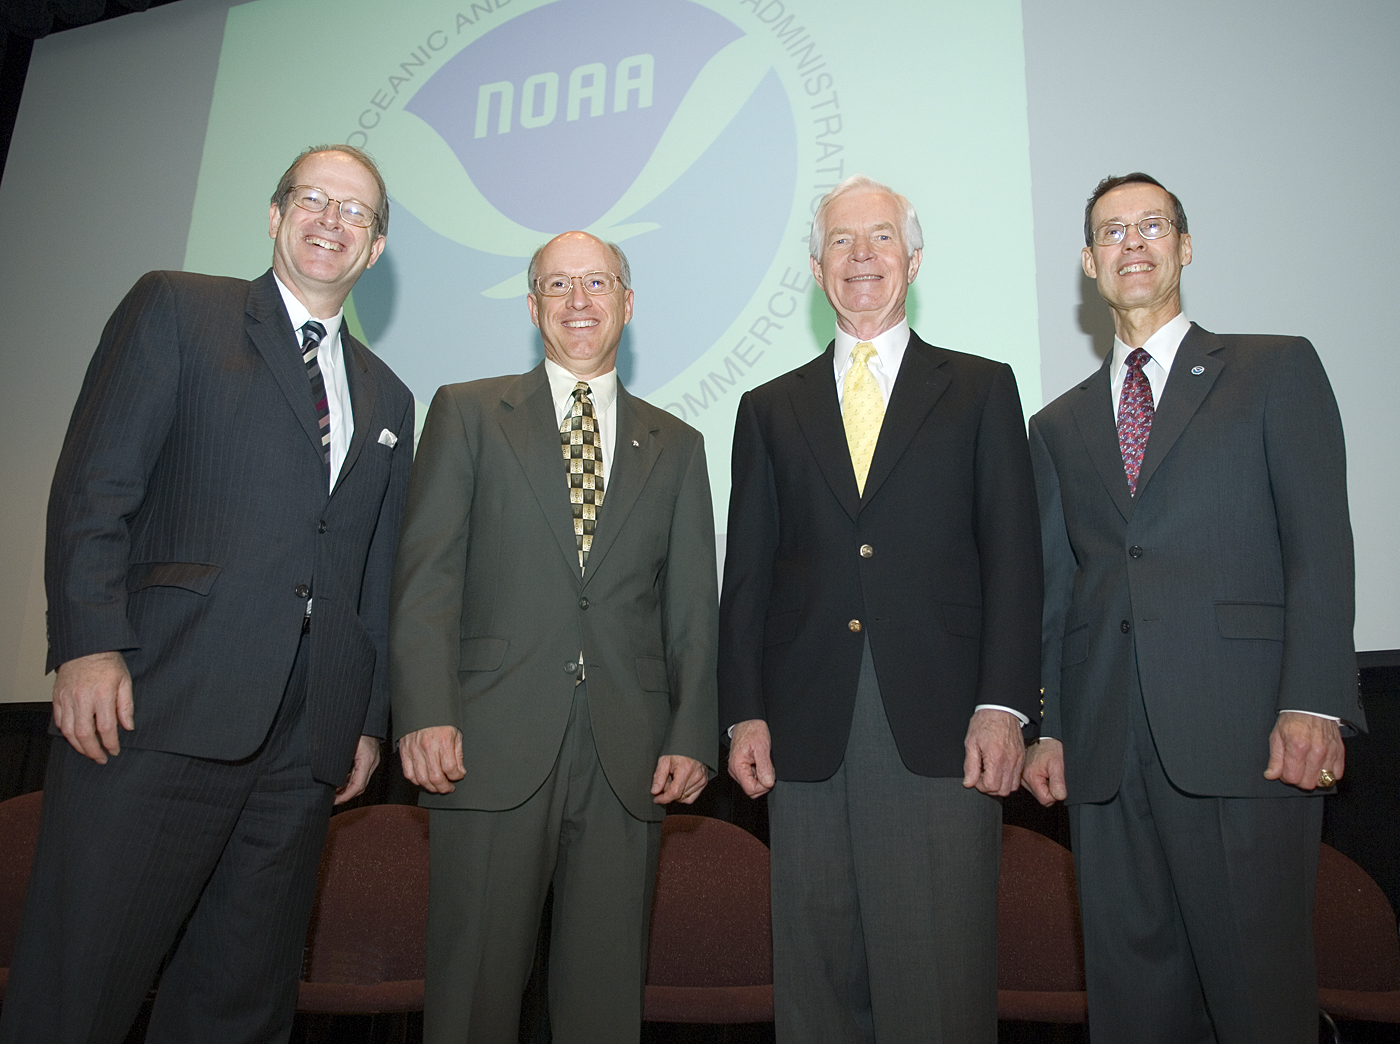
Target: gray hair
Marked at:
913, 233
623, 273
289, 181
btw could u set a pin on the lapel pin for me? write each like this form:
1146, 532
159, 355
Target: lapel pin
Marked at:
636, 443
1198, 370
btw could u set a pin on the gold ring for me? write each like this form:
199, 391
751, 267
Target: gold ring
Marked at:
1325, 778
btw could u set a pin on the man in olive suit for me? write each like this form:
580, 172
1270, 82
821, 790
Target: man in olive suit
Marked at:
553, 645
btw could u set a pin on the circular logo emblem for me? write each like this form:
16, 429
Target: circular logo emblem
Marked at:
660, 125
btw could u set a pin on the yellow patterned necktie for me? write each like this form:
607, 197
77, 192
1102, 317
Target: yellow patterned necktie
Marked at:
584, 455
862, 411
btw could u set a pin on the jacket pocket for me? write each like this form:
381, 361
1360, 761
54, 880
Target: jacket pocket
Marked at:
1259, 620
482, 654
1076, 647
779, 628
198, 577
651, 674
964, 620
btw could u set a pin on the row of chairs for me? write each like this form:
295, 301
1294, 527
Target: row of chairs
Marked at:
711, 938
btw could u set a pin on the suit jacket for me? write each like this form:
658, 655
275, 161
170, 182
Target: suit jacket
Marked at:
491, 610
189, 519
937, 564
1227, 581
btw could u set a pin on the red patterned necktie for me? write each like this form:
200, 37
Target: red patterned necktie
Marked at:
1134, 416
311, 334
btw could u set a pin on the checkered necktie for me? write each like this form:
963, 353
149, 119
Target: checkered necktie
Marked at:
312, 333
584, 453
862, 411
1134, 416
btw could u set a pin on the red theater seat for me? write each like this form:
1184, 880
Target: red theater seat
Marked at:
367, 940
1040, 947
711, 953
19, 834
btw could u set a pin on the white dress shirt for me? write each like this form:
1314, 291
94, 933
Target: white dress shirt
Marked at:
604, 392
331, 360
884, 367
1162, 346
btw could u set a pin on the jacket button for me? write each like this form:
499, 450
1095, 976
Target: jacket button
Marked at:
303, 591
583, 603
1125, 627
321, 526
571, 667
1135, 551
866, 551
854, 625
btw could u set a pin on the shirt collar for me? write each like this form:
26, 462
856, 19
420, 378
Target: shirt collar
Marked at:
1162, 345
299, 315
561, 387
889, 348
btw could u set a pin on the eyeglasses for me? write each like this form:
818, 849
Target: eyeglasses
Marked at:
557, 284
1111, 233
352, 211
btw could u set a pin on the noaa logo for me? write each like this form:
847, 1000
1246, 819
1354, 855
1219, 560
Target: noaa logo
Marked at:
661, 125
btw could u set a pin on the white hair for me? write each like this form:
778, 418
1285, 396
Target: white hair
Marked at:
913, 233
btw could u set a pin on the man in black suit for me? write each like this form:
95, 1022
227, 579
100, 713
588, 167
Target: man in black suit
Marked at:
1198, 660
221, 534
878, 648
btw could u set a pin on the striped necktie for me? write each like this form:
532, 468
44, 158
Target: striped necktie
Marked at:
312, 333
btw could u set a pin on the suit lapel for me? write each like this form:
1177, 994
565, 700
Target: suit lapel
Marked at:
270, 329
1186, 390
533, 434
634, 453
921, 383
813, 398
1093, 413
363, 393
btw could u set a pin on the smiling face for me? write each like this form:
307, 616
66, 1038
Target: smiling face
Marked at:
318, 256
580, 331
1139, 278
865, 267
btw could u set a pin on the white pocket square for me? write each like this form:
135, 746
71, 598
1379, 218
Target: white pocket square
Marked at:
388, 438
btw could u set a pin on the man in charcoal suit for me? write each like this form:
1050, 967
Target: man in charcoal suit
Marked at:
553, 648
221, 533
878, 648
1198, 661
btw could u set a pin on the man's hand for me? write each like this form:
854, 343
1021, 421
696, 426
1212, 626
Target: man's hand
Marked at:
1301, 746
995, 752
678, 778
366, 761
1045, 771
432, 758
750, 760
91, 695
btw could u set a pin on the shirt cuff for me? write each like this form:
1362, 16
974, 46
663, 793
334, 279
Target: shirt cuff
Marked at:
997, 706
1314, 714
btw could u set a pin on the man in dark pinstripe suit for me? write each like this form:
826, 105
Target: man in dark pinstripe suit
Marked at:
221, 533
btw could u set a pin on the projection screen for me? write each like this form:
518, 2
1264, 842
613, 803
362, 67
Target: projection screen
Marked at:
699, 134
